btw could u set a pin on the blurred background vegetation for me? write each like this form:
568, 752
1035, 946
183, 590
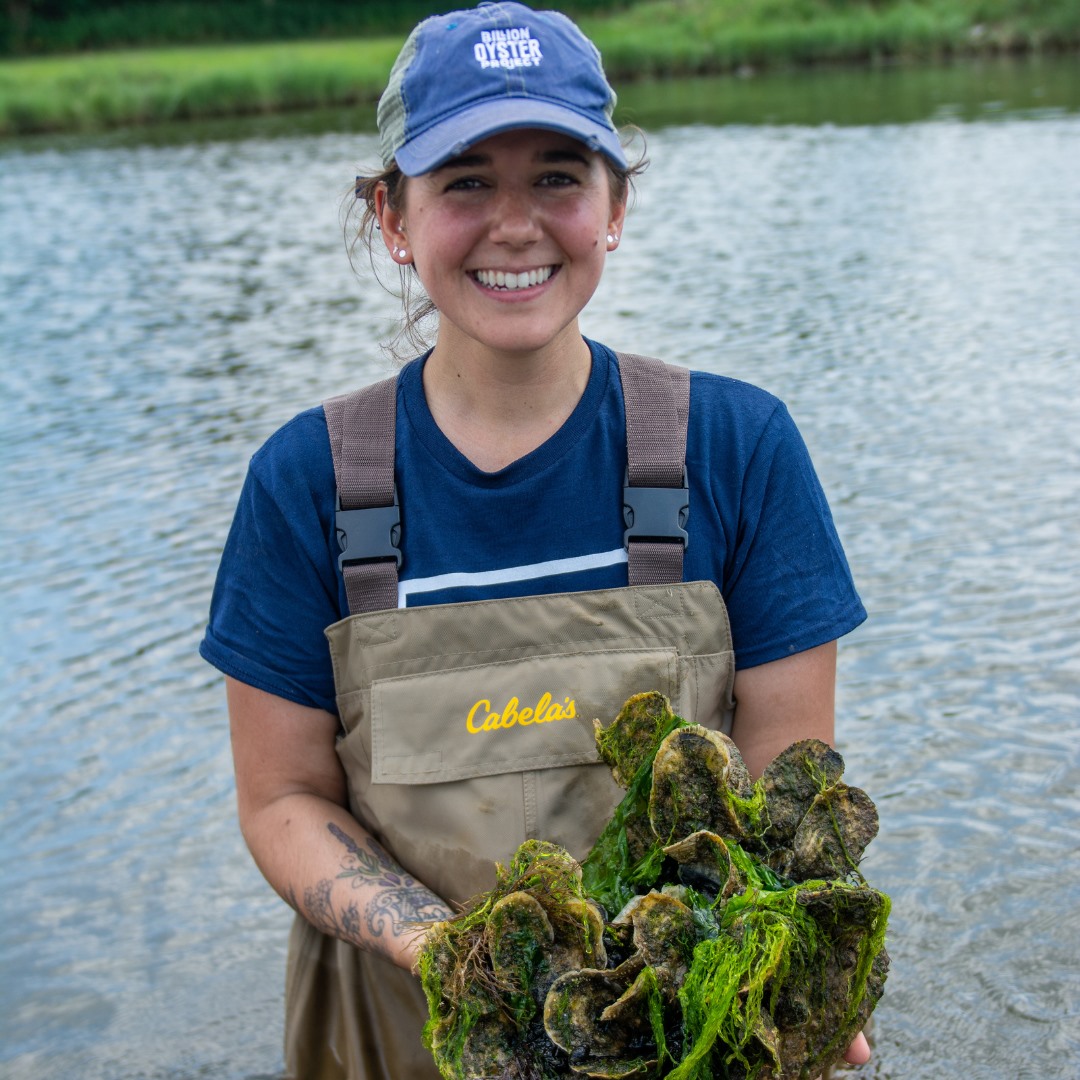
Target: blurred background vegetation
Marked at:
33, 27
40, 26
91, 64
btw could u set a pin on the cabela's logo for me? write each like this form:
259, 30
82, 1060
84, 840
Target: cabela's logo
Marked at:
513, 48
482, 718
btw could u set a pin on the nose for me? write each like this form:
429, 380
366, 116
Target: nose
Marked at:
514, 219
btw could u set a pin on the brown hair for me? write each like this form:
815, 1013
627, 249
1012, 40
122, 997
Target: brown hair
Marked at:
416, 306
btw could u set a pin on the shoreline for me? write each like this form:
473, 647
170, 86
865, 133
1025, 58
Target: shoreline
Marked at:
658, 39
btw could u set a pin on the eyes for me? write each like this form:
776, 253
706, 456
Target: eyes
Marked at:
553, 179
559, 179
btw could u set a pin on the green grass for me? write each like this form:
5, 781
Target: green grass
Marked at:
656, 37
40, 27
101, 90
664, 37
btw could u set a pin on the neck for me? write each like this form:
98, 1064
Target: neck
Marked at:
496, 407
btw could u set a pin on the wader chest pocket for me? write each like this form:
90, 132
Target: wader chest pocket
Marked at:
506, 716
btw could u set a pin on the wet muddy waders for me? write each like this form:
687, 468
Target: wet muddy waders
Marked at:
468, 728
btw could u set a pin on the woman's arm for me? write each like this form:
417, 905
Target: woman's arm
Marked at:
291, 797
780, 703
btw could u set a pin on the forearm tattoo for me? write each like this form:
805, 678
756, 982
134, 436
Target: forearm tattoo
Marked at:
399, 903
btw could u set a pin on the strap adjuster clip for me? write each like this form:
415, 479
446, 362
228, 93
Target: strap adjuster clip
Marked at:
368, 533
656, 513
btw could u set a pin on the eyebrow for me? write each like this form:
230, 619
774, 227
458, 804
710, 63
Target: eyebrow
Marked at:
548, 157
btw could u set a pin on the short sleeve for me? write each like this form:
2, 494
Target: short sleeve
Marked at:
787, 583
277, 588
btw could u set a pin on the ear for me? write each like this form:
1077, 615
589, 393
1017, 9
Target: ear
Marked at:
392, 226
615, 224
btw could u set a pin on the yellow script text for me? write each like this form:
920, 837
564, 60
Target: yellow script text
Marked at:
482, 718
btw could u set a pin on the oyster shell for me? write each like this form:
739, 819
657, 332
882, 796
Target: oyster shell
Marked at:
812, 1015
489, 1052
598, 1041
791, 781
665, 934
705, 865
833, 834
517, 935
631, 739
818, 826
700, 782
580, 942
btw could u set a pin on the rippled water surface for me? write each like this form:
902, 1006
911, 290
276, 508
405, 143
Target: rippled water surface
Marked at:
911, 289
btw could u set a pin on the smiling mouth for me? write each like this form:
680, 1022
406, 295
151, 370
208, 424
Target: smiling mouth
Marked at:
509, 281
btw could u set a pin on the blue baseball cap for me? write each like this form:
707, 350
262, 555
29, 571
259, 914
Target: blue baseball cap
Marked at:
466, 75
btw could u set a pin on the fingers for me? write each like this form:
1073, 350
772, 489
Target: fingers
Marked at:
858, 1053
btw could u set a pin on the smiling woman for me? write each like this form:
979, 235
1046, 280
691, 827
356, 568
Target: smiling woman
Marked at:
521, 526
384, 190
509, 243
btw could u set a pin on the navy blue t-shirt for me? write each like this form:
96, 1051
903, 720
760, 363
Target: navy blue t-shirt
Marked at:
549, 522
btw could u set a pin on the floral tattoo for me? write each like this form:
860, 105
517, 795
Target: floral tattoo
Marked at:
399, 904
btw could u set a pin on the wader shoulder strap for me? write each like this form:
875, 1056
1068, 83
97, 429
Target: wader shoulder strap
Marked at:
656, 501
368, 524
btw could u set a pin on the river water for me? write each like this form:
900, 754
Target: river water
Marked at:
895, 254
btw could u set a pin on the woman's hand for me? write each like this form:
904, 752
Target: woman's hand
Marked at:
858, 1053
419, 942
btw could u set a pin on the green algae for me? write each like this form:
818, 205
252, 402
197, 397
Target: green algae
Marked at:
771, 952
631, 740
763, 938
620, 865
768, 972
627, 856
656, 1011
479, 970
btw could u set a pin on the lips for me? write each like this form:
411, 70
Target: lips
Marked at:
509, 281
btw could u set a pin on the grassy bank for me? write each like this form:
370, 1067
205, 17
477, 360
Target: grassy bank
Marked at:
95, 91
661, 37
103, 90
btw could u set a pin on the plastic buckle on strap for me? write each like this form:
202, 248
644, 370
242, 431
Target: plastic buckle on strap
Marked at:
367, 533
656, 513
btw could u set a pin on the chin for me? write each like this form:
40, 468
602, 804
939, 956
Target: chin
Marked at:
522, 342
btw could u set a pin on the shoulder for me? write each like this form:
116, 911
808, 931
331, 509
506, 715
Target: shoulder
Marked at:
737, 413
713, 395
737, 423
304, 434
297, 455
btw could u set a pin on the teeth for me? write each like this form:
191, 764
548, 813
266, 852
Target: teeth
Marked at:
499, 279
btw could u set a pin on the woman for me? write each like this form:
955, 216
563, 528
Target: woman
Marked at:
463, 528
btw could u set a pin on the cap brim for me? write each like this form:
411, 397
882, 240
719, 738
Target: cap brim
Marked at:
453, 136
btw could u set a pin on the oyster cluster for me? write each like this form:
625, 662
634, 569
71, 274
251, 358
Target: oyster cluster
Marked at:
718, 928
487, 973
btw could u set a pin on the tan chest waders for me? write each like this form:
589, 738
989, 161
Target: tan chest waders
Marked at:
469, 727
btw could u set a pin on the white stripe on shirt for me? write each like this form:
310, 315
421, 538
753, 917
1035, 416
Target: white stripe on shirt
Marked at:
511, 573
